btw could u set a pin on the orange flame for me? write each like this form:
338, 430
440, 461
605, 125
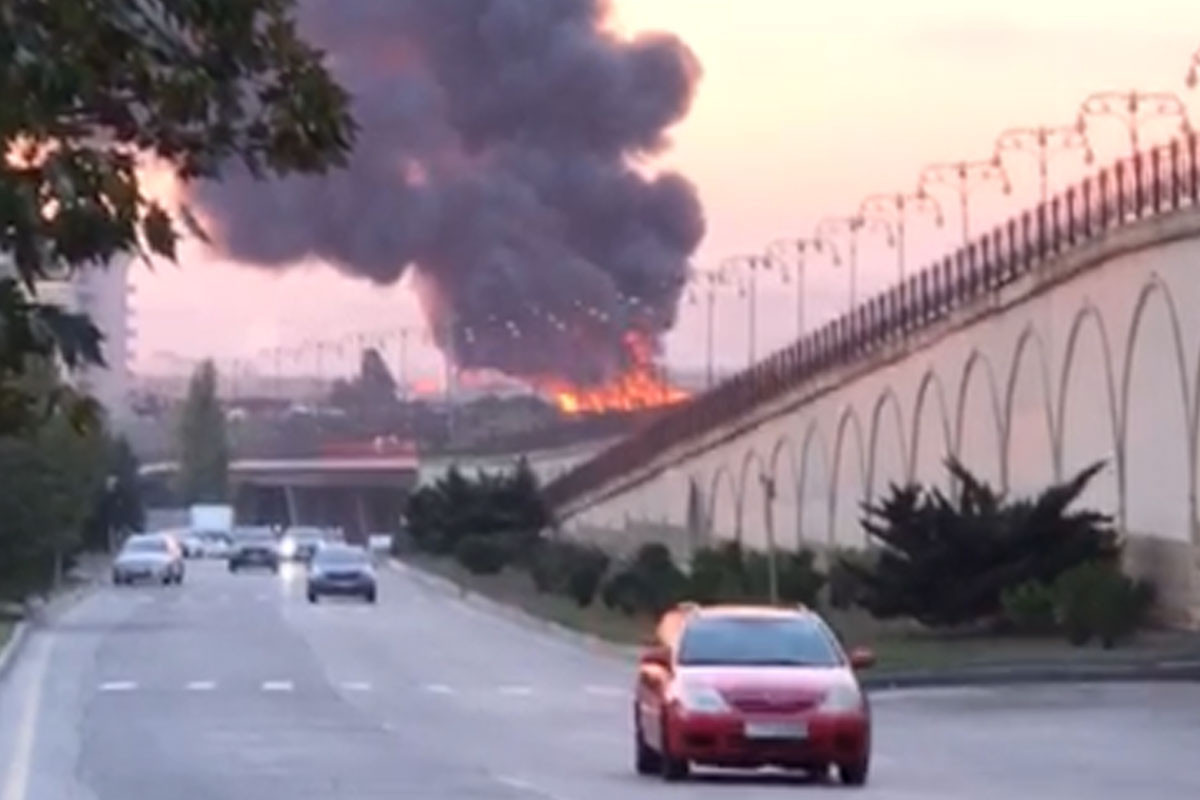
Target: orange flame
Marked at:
639, 387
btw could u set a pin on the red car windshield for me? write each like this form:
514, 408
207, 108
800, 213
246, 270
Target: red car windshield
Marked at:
757, 641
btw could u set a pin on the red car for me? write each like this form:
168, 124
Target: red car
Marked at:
748, 687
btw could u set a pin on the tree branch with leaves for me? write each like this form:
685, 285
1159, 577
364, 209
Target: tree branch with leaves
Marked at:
94, 91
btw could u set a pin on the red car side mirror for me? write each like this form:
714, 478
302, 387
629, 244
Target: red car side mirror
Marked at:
862, 658
657, 656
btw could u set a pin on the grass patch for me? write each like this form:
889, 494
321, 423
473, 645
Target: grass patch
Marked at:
6, 629
897, 646
908, 647
515, 588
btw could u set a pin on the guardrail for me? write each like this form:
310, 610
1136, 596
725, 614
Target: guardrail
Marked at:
1156, 182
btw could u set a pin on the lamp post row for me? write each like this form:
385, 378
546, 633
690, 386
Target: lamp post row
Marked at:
890, 213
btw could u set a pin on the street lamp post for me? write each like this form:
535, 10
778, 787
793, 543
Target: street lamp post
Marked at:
1134, 109
752, 264
1193, 72
963, 176
895, 207
1044, 142
784, 250
851, 226
707, 281
768, 486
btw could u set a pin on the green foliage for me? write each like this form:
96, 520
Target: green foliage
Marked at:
1096, 600
649, 583
482, 554
117, 509
30, 335
585, 571
51, 479
946, 561
443, 513
95, 91
729, 574
1029, 607
569, 568
843, 582
203, 441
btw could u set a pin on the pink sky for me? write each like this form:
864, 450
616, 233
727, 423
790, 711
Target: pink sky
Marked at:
804, 109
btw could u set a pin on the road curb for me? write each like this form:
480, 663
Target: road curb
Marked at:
513, 613
13, 646
1183, 669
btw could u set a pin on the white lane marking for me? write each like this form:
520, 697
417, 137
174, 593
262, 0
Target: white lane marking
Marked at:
513, 782
201, 686
516, 691
118, 686
604, 691
16, 783
356, 686
277, 686
522, 785
438, 688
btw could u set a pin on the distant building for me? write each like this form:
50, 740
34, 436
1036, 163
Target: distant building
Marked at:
104, 295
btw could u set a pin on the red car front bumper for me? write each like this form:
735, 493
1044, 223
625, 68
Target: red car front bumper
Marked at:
724, 740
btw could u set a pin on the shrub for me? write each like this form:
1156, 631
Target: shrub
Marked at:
718, 573
545, 568
946, 561
799, 579
728, 573
1097, 600
1029, 608
843, 585
649, 583
585, 570
482, 554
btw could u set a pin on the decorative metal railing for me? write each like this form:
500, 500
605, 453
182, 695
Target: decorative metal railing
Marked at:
1152, 183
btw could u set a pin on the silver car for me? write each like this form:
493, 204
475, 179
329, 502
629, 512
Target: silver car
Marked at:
149, 557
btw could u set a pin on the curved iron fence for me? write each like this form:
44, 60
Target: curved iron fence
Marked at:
1148, 184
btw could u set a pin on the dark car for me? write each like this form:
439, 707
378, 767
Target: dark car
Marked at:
338, 569
254, 547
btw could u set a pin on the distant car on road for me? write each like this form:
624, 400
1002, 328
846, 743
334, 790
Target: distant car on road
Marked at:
214, 544
300, 543
149, 557
254, 547
339, 569
193, 546
750, 687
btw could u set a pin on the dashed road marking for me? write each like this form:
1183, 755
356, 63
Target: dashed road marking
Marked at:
118, 686
438, 688
516, 691
356, 686
277, 686
604, 691
201, 686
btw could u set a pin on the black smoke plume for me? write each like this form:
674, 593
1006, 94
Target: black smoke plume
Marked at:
501, 154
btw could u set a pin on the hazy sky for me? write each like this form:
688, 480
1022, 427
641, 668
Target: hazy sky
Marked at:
804, 108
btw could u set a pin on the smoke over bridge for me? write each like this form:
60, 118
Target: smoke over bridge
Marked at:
499, 156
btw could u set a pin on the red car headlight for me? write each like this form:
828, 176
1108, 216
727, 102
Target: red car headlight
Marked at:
842, 700
699, 698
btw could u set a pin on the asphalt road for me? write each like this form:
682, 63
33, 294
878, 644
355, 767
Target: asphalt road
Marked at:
235, 688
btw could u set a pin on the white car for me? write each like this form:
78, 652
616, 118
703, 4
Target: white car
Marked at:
214, 545
148, 557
